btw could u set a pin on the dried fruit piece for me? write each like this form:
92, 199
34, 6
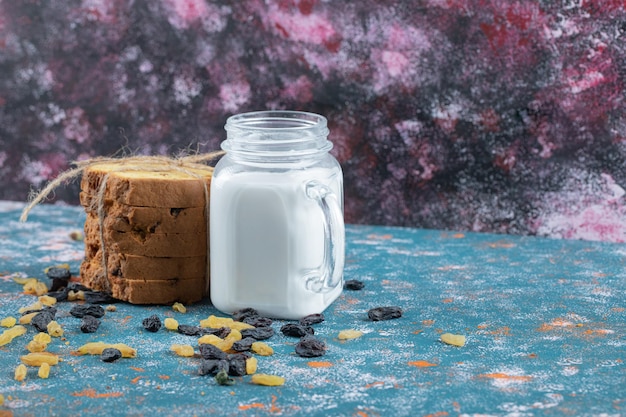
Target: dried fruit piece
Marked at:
41, 320
20, 372
82, 310
296, 330
310, 347
170, 324
179, 307
8, 335
47, 300
349, 334
384, 313
453, 339
241, 315
188, 330
89, 324
44, 370
37, 358
36, 306
8, 321
27, 318
110, 354
215, 322
182, 350
42, 338
258, 321
96, 348
54, 329
251, 365
234, 335
210, 351
243, 345
222, 378
312, 319
260, 333
111, 308
261, 348
353, 285
152, 323
35, 288
267, 380
237, 366
35, 346
213, 366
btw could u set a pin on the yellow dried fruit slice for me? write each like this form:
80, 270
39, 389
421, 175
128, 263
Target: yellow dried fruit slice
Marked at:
42, 337
96, 348
349, 334
20, 372
36, 306
261, 348
44, 370
171, 324
251, 365
23, 281
26, 318
8, 321
234, 335
37, 358
214, 322
209, 339
267, 380
47, 300
8, 335
178, 307
453, 339
54, 329
35, 346
182, 350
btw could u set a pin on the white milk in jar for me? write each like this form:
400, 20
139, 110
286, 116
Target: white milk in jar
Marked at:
276, 224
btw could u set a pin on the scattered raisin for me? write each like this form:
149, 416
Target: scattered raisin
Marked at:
110, 355
243, 345
40, 320
296, 330
310, 347
244, 313
221, 332
82, 310
258, 333
384, 313
58, 273
212, 366
258, 321
209, 351
89, 324
312, 319
353, 285
188, 330
153, 323
97, 297
237, 366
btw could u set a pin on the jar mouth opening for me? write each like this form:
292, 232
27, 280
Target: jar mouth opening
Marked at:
281, 133
280, 120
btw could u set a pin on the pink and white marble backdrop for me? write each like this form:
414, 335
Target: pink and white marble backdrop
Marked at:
486, 115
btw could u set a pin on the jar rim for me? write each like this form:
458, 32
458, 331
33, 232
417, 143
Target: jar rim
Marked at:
283, 120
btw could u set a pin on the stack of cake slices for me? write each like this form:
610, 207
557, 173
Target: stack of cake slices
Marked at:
150, 227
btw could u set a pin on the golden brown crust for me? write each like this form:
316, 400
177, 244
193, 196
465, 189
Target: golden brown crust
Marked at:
142, 187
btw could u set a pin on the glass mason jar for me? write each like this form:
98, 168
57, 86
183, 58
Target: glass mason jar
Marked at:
277, 231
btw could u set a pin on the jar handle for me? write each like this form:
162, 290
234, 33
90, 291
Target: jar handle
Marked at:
329, 275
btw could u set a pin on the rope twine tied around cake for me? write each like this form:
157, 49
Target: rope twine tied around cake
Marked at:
184, 164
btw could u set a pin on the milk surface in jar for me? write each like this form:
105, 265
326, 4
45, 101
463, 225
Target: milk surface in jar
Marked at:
277, 232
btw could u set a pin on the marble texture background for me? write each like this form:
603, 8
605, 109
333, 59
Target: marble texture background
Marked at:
484, 115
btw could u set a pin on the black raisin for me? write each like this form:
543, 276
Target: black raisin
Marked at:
237, 366
89, 324
222, 332
384, 313
258, 333
60, 295
110, 355
258, 321
152, 323
243, 345
208, 351
58, 273
188, 330
310, 347
311, 319
40, 320
75, 286
82, 310
296, 330
240, 315
353, 285
212, 366
222, 378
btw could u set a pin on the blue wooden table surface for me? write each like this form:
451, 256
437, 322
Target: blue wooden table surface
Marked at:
545, 322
